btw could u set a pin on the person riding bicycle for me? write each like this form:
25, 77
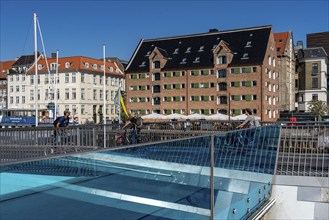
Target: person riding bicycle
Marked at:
250, 122
135, 123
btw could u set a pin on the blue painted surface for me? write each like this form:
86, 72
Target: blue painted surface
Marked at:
164, 181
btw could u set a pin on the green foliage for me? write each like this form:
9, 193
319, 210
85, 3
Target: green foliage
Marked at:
318, 108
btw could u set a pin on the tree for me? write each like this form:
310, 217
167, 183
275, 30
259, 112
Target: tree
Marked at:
318, 108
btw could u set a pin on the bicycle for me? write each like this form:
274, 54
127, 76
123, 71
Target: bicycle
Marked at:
122, 138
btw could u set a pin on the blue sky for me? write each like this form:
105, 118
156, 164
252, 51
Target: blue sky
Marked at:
82, 27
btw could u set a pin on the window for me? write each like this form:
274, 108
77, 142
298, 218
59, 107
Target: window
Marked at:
314, 97
67, 94
176, 51
156, 64
23, 88
100, 94
269, 60
74, 77
17, 99
197, 60
222, 60
315, 83
248, 44
82, 94
23, 99
315, 68
222, 86
17, 88
142, 64
74, 93
183, 61
95, 80
95, 94
222, 73
245, 56
67, 77
156, 89
82, 77
188, 50
273, 62
67, 65
201, 49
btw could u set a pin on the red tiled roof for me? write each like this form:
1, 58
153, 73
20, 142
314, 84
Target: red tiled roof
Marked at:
5, 67
281, 41
78, 62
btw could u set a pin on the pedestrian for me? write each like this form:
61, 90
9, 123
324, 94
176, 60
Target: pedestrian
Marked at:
135, 123
61, 122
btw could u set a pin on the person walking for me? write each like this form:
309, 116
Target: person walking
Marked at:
250, 122
61, 122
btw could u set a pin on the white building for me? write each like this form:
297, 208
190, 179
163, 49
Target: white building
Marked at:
79, 87
313, 76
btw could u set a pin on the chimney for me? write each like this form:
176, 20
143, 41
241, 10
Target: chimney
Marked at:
53, 55
213, 30
300, 45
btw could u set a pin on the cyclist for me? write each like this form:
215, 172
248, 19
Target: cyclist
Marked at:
135, 123
252, 122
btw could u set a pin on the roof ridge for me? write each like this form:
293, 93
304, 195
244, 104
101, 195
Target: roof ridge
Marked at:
209, 33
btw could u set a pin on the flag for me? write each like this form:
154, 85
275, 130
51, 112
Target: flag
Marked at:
123, 106
117, 97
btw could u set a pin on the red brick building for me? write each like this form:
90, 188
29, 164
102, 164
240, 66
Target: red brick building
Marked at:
218, 71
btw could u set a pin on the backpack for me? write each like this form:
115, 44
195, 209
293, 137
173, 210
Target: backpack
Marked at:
56, 120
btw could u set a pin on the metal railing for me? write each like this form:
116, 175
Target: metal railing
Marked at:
304, 146
304, 150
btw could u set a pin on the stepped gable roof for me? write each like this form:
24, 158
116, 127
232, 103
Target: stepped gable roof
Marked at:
25, 60
315, 52
281, 42
74, 63
196, 51
5, 67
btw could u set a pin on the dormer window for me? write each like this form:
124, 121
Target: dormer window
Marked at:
213, 47
148, 53
245, 56
176, 51
156, 64
87, 65
183, 61
94, 66
143, 64
222, 59
101, 67
67, 65
201, 49
248, 44
188, 50
111, 69
197, 60
40, 67
116, 70
53, 66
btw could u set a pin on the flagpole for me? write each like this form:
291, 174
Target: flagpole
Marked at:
36, 69
56, 79
120, 103
104, 97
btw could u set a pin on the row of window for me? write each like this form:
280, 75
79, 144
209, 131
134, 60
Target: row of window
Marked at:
204, 72
271, 87
85, 64
196, 111
114, 81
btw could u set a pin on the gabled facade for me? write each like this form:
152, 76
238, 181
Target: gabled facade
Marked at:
287, 72
313, 76
79, 87
225, 72
5, 68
